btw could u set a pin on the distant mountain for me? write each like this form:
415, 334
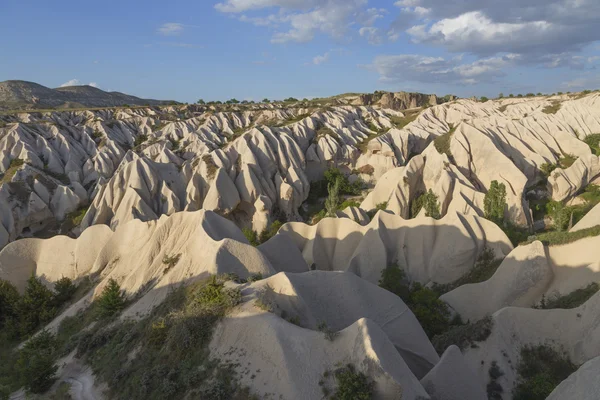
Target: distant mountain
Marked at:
30, 95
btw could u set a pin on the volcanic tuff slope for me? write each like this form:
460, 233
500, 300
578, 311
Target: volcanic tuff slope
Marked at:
155, 198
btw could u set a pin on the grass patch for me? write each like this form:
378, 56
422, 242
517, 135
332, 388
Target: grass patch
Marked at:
566, 161
560, 238
211, 167
170, 261
552, 108
352, 385
442, 142
540, 370
401, 122
594, 142
571, 300
13, 167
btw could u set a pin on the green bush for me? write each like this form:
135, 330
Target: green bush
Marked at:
271, 231
442, 142
251, 236
547, 168
594, 142
429, 201
333, 197
65, 289
334, 175
540, 370
573, 299
9, 302
495, 202
560, 238
463, 336
111, 300
35, 363
433, 314
36, 306
352, 385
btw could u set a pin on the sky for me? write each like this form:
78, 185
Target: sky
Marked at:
187, 50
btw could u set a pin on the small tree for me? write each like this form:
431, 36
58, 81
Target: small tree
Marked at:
431, 205
501, 96
35, 363
65, 289
251, 236
266, 100
201, 101
333, 198
9, 301
484, 99
36, 306
494, 202
112, 300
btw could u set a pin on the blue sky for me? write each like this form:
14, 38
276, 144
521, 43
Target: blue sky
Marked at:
251, 49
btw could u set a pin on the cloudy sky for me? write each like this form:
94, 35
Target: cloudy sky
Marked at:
251, 49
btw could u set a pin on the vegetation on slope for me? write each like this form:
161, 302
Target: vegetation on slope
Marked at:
20, 316
429, 201
432, 313
163, 356
540, 370
594, 142
14, 166
571, 300
442, 142
552, 108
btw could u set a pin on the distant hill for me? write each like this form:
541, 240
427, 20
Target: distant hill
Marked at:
18, 95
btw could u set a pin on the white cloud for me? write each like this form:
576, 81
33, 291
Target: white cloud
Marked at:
321, 59
72, 82
301, 20
77, 82
372, 34
424, 69
170, 29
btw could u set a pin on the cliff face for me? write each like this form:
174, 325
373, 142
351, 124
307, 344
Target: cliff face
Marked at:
398, 100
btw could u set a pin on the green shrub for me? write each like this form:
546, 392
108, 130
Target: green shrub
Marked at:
65, 289
485, 267
333, 198
13, 167
594, 142
35, 363
334, 175
463, 336
442, 142
573, 299
348, 203
111, 300
36, 306
560, 238
9, 302
352, 385
251, 236
139, 140
495, 202
429, 201
401, 122
432, 313
552, 108
547, 168
540, 370
560, 214
170, 261
271, 231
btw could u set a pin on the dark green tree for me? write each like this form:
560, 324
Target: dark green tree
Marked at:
35, 363
494, 202
201, 101
9, 301
36, 306
112, 300
65, 289
431, 205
